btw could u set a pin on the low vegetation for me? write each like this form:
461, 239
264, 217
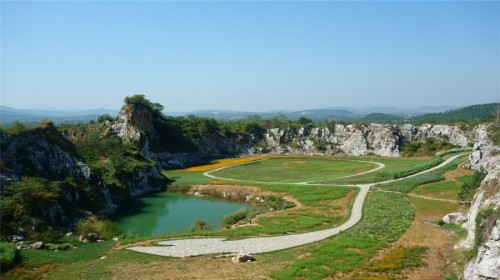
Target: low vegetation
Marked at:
485, 221
344, 253
235, 217
390, 164
429, 147
399, 258
409, 184
400, 173
286, 170
470, 186
105, 229
7, 254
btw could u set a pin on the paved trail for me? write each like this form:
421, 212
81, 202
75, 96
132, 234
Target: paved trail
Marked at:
204, 246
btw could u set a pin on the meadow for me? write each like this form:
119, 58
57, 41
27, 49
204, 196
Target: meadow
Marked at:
292, 170
386, 217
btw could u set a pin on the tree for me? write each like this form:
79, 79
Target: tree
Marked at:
157, 108
304, 121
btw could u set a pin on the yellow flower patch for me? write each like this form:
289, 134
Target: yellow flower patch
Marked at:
220, 163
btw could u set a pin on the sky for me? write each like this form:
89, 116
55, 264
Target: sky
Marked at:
253, 56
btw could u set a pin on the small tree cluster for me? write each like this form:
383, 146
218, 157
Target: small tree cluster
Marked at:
141, 99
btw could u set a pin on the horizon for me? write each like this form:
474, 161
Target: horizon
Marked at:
246, 56
358, 110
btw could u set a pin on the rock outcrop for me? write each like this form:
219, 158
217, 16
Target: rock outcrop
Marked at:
486, 263
137, 125
62, 174
133, 123
358, 140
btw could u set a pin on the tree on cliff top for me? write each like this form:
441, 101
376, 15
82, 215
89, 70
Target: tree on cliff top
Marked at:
141, 99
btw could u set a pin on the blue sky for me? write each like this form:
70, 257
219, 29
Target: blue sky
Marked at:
249, 55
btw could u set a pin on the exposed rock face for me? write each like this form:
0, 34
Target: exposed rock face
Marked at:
35, 152
486, 264
136, 125
208, 148
44, 153
132, 123
144, 181
454, 218
357, 140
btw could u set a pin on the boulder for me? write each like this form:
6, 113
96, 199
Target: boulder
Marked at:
90, 238
65, 247
242, 257
35, 246
454, 218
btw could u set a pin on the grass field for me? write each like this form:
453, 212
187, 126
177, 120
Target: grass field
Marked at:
390, 165
386, 218
288, 170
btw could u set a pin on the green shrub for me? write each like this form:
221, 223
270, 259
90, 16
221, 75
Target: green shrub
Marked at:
200, 225
278, 203
469, 187
7, 254
106, 229
235, 217
485, 221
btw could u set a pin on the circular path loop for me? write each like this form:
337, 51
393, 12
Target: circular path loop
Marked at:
204, 246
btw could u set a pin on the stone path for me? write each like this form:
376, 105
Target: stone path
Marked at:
256, 245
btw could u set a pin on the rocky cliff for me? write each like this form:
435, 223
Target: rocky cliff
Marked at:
358, 140
138, 126
44, 181
62, 186
483, 217
154, 136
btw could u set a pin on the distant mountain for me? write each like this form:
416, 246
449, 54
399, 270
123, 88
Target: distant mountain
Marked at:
316, 114
9, 115
383, 118
390, 115
404, 111
469, 113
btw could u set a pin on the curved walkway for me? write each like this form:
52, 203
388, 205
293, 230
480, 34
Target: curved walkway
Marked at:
204, 246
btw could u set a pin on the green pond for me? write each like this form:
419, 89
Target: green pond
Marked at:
168, 213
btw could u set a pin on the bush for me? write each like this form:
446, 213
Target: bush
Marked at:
200, 225
7, 254
106, 229
469, 187
232, 219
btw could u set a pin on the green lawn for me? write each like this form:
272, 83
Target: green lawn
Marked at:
444, 190
390, 164
288, 170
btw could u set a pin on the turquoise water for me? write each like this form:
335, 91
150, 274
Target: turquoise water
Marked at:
167, 213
